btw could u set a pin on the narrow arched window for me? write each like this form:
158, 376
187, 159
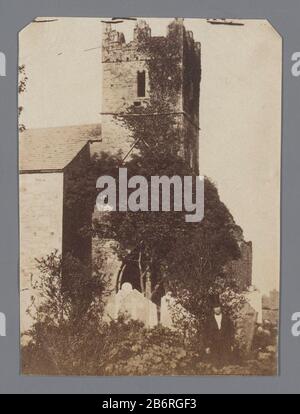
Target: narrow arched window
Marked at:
141, 84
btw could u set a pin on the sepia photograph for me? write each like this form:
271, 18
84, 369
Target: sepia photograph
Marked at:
149, 196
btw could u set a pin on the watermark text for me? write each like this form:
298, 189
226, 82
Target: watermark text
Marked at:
2, 324
2, 64
159, 193
296, 66
296, 324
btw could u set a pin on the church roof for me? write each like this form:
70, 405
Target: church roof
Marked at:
52, 149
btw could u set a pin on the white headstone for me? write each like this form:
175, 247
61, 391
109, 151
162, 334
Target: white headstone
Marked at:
245, 327
172, 312
133, 303
166, 311
254, 297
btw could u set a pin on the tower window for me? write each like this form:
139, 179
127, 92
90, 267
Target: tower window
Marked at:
141, 84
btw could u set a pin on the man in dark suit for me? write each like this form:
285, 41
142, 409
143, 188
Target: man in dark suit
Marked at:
219, 337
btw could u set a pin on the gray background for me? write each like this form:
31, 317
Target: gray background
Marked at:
285, 17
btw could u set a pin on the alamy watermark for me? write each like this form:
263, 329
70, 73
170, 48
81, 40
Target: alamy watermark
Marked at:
2, 64
296, 324
296, 66
160, 193
2, 324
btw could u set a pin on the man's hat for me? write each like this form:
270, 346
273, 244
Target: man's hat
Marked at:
214, 301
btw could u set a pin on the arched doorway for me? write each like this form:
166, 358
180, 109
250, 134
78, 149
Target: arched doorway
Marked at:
131, 274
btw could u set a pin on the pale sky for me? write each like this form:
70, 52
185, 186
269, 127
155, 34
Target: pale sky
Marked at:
240, 110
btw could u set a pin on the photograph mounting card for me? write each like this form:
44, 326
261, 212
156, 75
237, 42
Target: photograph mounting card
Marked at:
149, 190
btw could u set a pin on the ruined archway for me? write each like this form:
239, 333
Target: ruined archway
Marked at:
130, 274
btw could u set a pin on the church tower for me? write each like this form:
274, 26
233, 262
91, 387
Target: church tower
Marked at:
128, 79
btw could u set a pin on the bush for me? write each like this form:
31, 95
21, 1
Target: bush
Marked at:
122, 347
72, 337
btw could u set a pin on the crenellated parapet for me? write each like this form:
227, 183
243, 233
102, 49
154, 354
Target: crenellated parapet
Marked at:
150, 69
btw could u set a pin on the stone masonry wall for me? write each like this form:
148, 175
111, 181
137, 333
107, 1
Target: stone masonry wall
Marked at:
41, 205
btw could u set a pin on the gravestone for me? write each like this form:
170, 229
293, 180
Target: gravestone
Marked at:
133, 303
166, 318
270, 307
254, 297
172, 313
245, 328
